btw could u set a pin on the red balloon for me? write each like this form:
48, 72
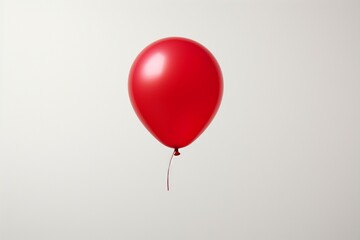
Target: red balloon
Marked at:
175, 87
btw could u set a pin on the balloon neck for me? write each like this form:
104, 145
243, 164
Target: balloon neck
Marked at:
176, 152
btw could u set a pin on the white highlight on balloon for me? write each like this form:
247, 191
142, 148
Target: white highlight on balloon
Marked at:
155, 65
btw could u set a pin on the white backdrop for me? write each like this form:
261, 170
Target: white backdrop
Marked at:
281, 159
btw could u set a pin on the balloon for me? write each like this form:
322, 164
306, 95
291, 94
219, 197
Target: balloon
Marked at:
175, 87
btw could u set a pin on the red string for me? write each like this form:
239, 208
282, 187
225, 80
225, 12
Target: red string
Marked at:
175, 153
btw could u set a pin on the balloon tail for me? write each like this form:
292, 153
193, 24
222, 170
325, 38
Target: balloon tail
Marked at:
175, 153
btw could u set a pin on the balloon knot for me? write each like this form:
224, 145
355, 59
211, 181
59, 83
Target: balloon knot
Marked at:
176, 152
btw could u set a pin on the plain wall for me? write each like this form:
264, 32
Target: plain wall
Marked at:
281, 160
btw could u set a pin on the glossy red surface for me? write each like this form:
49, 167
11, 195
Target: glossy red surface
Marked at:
175, 87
